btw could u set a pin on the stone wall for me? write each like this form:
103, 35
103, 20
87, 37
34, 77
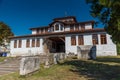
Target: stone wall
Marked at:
52, 58
86, 52
29, 64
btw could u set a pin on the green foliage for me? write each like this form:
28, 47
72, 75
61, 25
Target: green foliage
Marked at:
5, 32
108, 12
118, 49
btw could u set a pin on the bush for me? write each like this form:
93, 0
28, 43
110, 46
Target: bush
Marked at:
118, 49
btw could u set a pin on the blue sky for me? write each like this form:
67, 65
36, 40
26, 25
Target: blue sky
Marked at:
21, 15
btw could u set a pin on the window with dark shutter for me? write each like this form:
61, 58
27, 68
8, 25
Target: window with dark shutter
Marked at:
95, 39
57, 27
76, 27
15, 43
80, 40
33, 42
71, 27
73, 40
20, 44
38, 42
27, 43
103, 39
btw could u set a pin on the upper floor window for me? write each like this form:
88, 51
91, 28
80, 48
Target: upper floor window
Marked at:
42, 30
37, 31
73, 40
46, 30
61, 27
15, 43
71, 27
20, 43
76, 27
103, 39
80, 40
82, 27
95, 39
57, 27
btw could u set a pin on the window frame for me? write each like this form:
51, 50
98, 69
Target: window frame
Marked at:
73, 40
80, 40
56, 27
20, 43
95, 39
15, 43
38, 42
27, 43
33, 42
103, 38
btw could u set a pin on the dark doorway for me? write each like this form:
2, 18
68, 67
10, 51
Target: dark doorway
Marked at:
58, 44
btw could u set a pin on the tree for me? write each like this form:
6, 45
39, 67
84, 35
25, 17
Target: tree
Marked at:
5, 32
108, 12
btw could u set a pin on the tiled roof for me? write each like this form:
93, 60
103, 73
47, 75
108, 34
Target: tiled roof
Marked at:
60, 33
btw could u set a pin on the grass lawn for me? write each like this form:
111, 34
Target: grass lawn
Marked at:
103, 68
2, 59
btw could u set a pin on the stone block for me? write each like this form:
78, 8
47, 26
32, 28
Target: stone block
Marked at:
29, 64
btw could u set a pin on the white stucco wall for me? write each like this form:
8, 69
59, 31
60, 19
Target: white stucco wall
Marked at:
67, 28
88, 26
108, 49
23, 50
33, 31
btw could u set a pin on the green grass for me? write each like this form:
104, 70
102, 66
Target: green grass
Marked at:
2, 59
103, 68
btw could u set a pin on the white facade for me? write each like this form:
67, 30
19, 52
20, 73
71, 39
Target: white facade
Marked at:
108, 49
24, 50
63, 29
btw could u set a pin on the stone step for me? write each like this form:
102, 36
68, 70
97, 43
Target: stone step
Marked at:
6, 72
8, 69
9, 66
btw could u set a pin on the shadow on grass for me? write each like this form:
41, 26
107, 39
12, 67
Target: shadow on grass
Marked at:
97, 71
108, 59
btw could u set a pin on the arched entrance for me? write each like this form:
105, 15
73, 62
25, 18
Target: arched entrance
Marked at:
58, 44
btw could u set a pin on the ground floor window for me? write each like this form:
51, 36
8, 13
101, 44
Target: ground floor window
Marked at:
27, 43
38, 42
33, 42
103, 39
20, 44
95, 39
73, 40
15, 43
80, 40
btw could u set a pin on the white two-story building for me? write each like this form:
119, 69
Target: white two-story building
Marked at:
63, 35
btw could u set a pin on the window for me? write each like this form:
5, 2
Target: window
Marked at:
27, 43
73, 40
46, 30
103, 39
76, 27
15, 43
80, 40
57, 27
95, 39
42, 30
37, 31
20, 43
71, 27
82, 27
33, 42
61, 27
38, 42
